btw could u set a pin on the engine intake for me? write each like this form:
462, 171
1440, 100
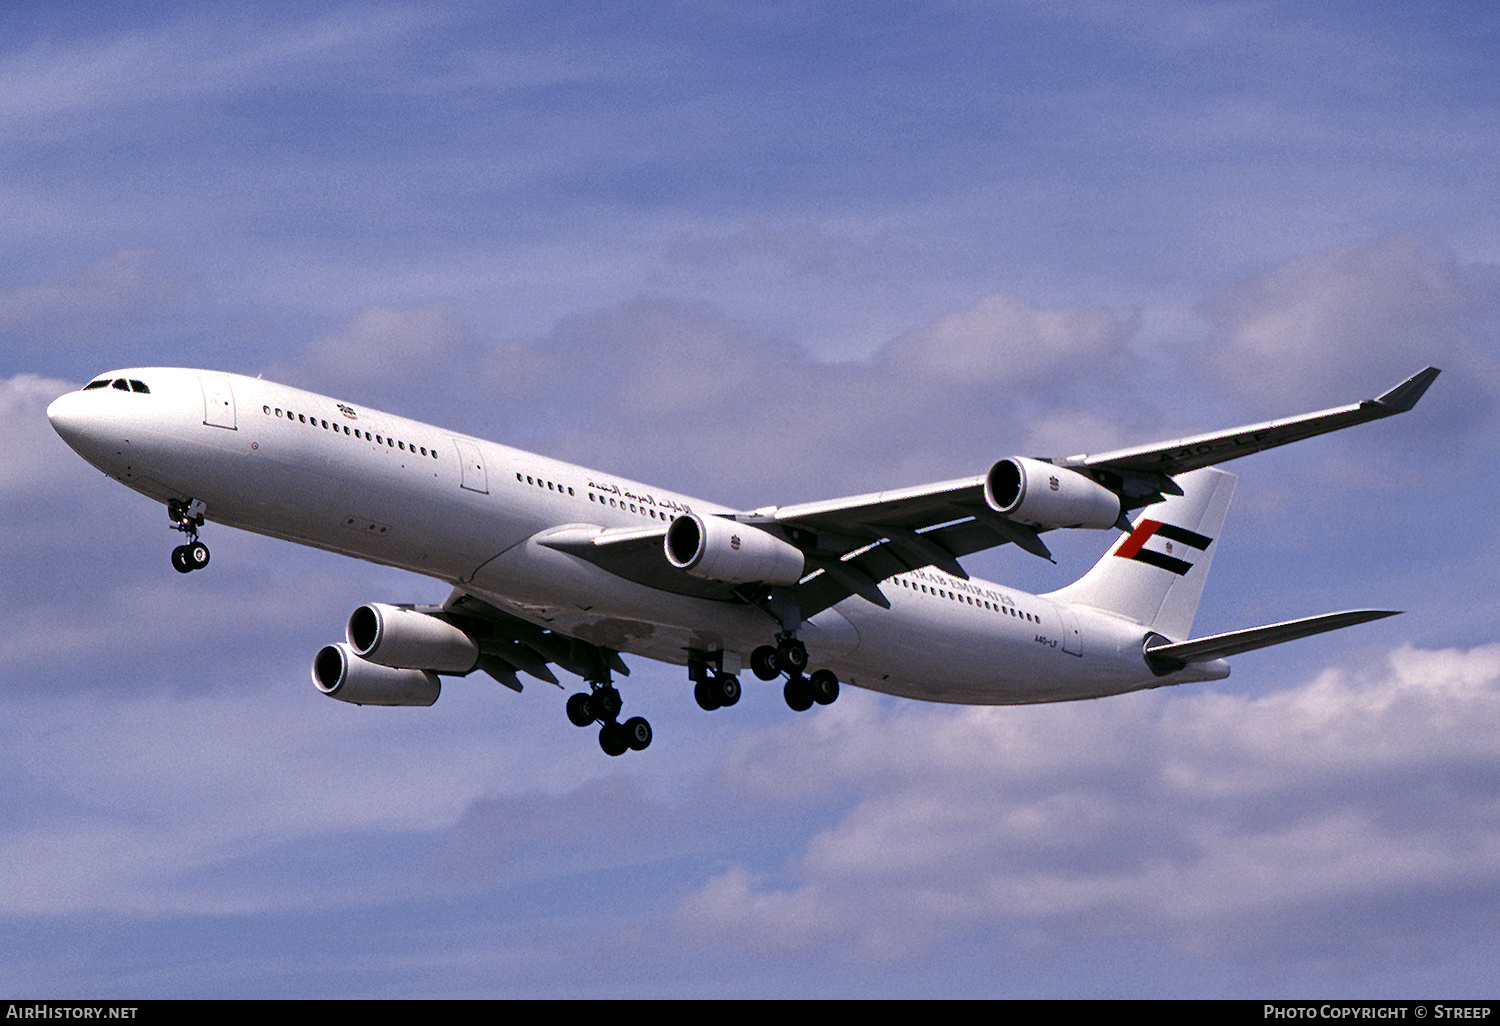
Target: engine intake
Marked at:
1032, 492
406, 639
717, 549
340, 673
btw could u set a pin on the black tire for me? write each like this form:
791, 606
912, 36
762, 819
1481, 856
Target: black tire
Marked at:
197, 556
613, 739
579, 711
791, 656
180, 560
798, 694
824, 685
763, 663
726, 688
707, 696
607, 703
637, 733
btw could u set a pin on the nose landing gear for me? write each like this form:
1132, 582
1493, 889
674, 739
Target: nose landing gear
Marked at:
190, 557
187, 517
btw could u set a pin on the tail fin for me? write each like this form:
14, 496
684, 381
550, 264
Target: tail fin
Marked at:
1155, 574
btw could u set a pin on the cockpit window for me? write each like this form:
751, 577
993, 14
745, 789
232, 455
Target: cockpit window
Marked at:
123, 384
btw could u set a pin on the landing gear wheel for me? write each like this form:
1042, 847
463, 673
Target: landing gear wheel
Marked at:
180, 560
606, 703
726, 688
197, 556
763, 663
791, 656
707, 695
824, 686
798, 694
579, 711
637, 733
614, 739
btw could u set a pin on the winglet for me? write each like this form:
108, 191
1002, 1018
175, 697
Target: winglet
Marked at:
1405, 395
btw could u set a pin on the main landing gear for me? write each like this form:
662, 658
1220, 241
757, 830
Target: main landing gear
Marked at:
187, 517
712, 687
602, 704
789, 656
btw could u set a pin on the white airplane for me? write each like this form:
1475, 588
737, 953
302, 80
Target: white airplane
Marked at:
556, 564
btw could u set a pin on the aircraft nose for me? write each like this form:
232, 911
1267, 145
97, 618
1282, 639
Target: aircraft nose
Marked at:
67, 414
75, 417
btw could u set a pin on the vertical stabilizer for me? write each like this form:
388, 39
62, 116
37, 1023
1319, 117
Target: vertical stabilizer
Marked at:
1155, 574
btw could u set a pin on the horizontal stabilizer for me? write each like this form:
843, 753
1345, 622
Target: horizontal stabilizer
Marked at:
1217, 646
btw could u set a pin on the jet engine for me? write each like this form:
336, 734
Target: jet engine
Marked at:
406, 639
340, 673
1032, 492
717, 549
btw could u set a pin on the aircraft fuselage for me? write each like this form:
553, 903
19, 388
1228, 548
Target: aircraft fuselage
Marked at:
307, 468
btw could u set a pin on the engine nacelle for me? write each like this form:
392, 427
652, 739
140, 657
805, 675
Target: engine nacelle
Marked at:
717, 549
406, 639
1032, 492
340, 673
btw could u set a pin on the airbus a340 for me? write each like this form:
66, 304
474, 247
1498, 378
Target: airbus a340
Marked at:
558, 565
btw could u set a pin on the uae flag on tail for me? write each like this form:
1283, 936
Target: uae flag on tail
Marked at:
1163, 545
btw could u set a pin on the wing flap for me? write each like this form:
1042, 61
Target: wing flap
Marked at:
509, 644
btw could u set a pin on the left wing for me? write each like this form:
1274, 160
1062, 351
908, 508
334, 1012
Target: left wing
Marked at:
850, 545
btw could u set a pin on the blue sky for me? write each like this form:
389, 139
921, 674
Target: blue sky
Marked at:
761, 253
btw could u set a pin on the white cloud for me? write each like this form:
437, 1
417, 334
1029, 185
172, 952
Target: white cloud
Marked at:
1369, 313
414, 346
1003, 340
1201, 815
32, 447
50, 90
124, 288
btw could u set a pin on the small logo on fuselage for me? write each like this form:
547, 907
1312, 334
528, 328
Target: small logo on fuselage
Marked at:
348, 412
